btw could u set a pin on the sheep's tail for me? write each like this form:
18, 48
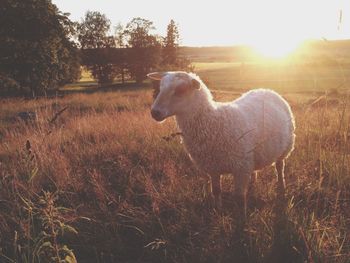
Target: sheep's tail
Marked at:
291, 142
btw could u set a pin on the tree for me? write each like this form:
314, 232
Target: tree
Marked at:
170, 44
171, 59
119, 32
36, 50
95, 41
93, 31
120, 42
144, 48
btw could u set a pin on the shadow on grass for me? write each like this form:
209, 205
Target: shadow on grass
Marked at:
289, 244
86, 87
92, 87
288, 241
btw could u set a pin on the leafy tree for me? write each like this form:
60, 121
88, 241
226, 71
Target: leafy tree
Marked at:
120, 36
120, 42
95, 41
93, 31
36, 51
144, 53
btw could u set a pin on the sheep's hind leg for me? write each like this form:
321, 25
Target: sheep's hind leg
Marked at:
216, 190
254, 178
241, 189
280, 177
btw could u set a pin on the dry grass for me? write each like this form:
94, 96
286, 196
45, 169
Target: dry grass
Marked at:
118, 192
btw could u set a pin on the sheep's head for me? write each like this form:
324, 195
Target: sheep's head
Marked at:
175, 92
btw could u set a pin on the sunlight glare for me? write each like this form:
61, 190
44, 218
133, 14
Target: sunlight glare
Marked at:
284, 25
276, 49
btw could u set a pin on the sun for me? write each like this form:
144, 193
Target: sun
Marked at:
276, 48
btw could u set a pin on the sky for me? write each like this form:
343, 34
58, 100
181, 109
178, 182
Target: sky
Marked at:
265, 24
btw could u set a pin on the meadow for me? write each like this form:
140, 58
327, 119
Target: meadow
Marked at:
93, 178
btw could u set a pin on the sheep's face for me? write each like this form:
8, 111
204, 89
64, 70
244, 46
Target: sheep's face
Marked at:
175, 92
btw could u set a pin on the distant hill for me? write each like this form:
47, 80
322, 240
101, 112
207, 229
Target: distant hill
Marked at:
218, 54
312, 49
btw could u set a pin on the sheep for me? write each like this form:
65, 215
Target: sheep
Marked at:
238, 137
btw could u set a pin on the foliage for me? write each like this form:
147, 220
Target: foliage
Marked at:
46, 228
36, 50
93, 34
93, 31
120, 36
144, 48
171, 44
133, 50
120, 40
8, 85
171, 58
41, 226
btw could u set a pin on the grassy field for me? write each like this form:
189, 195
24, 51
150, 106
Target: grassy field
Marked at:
101, 182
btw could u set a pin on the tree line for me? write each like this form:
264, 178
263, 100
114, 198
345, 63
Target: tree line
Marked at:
41, 49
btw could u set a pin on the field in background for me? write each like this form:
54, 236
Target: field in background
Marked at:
284, 77
315, 68
92, 175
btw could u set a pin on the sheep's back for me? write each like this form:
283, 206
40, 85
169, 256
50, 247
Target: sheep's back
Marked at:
239, 137
270, 125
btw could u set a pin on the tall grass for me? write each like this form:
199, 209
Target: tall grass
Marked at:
101, 184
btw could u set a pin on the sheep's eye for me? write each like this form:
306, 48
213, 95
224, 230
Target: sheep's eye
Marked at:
181, 89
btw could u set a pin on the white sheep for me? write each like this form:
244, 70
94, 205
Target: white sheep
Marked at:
238, 137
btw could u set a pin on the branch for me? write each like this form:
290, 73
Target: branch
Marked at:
57, 114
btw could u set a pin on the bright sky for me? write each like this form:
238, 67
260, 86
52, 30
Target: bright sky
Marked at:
260, 23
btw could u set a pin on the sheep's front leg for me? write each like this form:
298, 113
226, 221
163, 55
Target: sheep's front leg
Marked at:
241, 189
216, 190
280, 177
254, 178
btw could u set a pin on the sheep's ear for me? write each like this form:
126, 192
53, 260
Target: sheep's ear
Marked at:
156, 75
196, 84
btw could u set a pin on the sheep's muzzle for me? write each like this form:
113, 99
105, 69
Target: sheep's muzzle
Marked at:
157, 115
